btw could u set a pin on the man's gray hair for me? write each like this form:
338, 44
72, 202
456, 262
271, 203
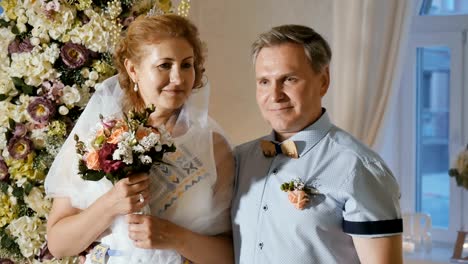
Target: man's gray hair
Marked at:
316, 48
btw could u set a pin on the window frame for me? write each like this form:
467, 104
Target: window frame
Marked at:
449, 31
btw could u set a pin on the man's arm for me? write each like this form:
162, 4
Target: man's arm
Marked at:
382, 250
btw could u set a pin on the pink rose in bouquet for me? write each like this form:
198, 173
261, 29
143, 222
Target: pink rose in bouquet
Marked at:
122, 145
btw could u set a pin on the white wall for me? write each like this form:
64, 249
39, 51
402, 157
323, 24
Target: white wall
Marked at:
229, 28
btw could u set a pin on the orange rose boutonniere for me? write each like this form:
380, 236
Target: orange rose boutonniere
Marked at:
298, 192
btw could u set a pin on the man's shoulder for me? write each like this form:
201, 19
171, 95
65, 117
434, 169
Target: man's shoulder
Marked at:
348, 145
248, 146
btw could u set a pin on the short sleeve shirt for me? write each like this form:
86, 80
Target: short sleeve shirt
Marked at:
358, 196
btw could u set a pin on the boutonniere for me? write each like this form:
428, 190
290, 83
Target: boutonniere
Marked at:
298, 192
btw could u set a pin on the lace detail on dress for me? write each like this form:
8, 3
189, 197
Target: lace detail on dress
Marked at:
184, 171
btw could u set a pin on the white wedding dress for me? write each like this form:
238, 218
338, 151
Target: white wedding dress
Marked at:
181, 192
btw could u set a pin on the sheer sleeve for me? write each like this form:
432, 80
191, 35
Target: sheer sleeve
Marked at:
223, 188
63, 179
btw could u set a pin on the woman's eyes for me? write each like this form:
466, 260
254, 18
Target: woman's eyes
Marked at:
186, 65
167, 65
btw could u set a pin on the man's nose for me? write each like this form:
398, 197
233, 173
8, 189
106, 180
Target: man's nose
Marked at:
277, 93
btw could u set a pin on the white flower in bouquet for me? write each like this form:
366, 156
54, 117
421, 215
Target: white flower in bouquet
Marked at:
36, 201
40, 33
5, 109
5, 40
63, 110
3, 139
124, 148
85, 95
97, 34
71, 95
53, 23
18, 112
7, 88
150, 141
37, 66
145, 159
39, 137
8, 209
29, 233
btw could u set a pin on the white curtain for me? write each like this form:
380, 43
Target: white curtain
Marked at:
368, 42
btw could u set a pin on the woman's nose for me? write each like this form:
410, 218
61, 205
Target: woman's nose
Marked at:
175, 76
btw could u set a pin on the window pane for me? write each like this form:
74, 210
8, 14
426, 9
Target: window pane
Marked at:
443, 7
432, 159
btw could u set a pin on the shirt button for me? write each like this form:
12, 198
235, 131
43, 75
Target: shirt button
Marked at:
265, 207
275, 171
260, 245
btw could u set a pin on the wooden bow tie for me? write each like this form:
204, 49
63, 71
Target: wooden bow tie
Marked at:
271, 149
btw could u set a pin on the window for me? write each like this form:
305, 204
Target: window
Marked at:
433, 120
432, 133
444, 7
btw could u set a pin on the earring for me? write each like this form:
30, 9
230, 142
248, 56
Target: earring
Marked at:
135, 87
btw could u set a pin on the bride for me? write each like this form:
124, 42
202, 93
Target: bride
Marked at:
160, 62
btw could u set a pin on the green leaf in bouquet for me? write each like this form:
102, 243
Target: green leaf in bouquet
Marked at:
15, 30
69, 76
82, 168
8, 243
171, 148
27, 187
99, 140
112, 178
3, 23
79, 146
91, 175
22, 86
4, 187
11, 124
100, 3
18, 192
24, 210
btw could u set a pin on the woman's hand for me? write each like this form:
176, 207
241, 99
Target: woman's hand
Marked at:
151, 232
125, 196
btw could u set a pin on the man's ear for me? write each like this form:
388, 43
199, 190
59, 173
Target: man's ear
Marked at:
131, 70
325, 80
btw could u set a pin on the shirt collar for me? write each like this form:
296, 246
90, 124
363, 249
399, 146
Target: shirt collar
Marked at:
309, 136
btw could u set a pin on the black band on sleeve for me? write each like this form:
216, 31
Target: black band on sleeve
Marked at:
373, 227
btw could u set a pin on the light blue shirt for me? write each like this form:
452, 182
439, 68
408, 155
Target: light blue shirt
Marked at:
358, 197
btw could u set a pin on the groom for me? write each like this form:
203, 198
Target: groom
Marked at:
309, 192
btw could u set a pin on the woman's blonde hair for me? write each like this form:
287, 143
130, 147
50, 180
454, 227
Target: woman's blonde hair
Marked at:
146, 30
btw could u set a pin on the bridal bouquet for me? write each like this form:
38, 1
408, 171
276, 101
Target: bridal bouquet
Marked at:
122, 145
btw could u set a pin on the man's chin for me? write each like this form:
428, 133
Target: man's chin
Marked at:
283, 128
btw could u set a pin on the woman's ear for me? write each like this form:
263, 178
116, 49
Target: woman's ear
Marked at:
131, 70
